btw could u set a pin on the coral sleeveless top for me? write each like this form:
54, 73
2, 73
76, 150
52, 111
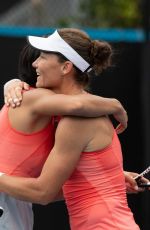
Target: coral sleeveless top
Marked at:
95, 193
23, 154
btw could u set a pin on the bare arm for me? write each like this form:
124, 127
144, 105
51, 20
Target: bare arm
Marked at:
58, 167
80, 105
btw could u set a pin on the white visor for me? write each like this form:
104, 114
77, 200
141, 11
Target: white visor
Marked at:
54, 43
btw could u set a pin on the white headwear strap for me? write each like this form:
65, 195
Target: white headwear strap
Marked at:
54, 43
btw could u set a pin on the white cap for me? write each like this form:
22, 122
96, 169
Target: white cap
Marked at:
54, 43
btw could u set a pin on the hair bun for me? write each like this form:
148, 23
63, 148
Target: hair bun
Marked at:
100, 55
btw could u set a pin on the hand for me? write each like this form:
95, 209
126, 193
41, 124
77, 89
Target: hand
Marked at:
122, 118
131, 185
13, 92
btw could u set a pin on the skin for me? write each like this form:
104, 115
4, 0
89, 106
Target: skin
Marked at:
96, 134
108, 106
39, 104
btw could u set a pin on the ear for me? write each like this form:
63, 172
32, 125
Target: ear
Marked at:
67, 67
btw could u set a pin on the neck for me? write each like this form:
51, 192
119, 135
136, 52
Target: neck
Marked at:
69, 88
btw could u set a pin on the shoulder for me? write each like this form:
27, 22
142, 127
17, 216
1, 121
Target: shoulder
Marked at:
73, 121
34, 94
38, 92
70, 136
74, 129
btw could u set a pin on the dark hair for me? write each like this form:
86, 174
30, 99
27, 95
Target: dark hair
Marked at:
25, 70
97, 53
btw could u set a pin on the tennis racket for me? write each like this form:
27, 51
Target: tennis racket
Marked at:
143, 174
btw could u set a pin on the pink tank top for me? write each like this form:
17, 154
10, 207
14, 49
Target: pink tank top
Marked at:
23, 154
95, 193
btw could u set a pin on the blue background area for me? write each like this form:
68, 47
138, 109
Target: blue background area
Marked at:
112, 35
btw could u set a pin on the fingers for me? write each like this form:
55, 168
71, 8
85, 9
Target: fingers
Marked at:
13, 92
130, 189
143, 183
13, 102
122, 123
122, 117
131, 183
17, 93
143, 180
14, 97
120, 128
26, 86
130, 180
